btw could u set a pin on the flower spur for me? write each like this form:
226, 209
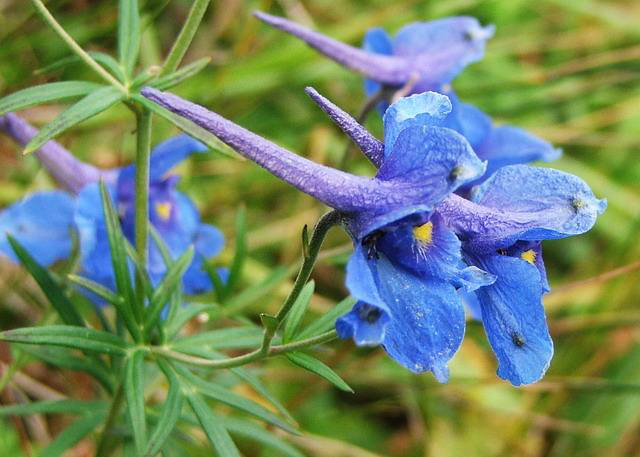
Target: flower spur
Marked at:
414, 248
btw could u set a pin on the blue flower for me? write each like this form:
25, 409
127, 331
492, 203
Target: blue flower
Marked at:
427, 56
44, 221
418, 246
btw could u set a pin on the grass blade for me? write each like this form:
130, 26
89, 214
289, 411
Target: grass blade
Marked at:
72, 435
240, 255
186, 72
54, 407
90, 105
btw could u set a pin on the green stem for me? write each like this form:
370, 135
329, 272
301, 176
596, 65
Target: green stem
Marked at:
249, 357
311, 254
105, 445
143, 153
179, 48
75, 47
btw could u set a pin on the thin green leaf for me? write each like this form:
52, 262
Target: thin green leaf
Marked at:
189, 127
257, 291
119, 263
252, 431
128, 34
82, 338
232, 399
297, 311
169, 414
227, 338
162, 246
73, 434
54, 293
315, 366
90, 105
167, 287
240, 255
213, 427
54, 407
259, 387
63, 358
98, 289
134, 392
186, 72
45, 93
328, 320
105, 60
188, 31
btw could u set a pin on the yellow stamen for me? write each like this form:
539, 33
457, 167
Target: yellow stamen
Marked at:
529, 256
424, 233
163, 209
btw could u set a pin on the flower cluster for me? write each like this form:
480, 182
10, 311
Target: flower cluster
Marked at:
419, 248
43, 222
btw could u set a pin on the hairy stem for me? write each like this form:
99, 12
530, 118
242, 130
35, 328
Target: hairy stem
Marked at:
75, 47
253, 356
143, 153
311, 255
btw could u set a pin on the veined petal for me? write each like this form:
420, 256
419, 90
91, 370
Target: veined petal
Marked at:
514, 320
397, 186
368, 144
427, 109
42, 223
468, 121
433, 158
426, 325
440, 49
521, 202
69, 172
383, 68
507, 145
366, 323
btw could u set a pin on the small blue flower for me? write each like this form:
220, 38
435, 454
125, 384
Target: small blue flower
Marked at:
418, 246
427, 56
43, 222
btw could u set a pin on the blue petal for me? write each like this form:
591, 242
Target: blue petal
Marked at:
431, 161
169, 153
376, 40
531, 250
196, 280
542, 203
429, 109
42, 223
427, 322
441, 49
471, 304
514, 320
365, 323
431, 249
468, 121
360, 278
209, 241
507, 145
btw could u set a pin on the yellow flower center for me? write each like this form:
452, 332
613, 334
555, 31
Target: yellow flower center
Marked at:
529, 256
163, 209
424, 233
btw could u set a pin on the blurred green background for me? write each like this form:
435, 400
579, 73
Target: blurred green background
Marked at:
567, 70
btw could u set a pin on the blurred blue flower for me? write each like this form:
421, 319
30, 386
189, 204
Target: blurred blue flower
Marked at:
427, 56
43, 222
418, 246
